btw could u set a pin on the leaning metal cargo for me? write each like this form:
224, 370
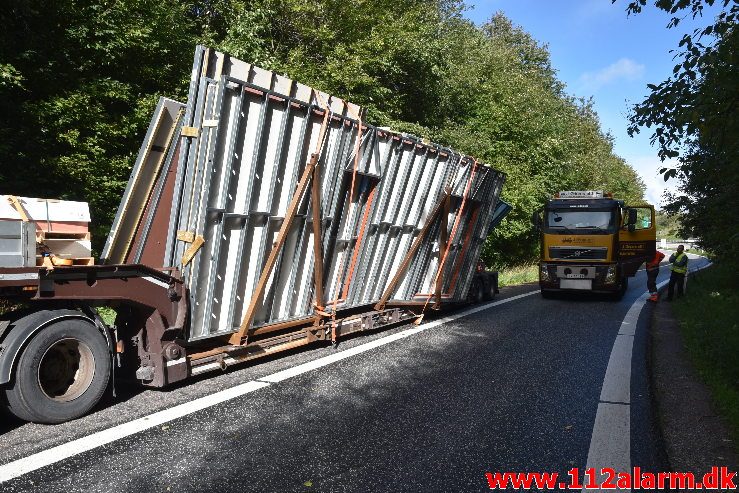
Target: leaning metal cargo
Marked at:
262, 216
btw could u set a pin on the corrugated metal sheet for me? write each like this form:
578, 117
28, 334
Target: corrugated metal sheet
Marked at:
247, 138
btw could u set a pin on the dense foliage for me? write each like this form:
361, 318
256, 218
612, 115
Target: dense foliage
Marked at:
695, 120
668, 226
79, 78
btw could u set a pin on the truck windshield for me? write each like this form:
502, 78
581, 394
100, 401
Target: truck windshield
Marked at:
580, 221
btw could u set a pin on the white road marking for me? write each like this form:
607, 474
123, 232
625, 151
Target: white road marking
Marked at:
617, 382
612, 421
327, 360
104, 437
50, 456
610, 443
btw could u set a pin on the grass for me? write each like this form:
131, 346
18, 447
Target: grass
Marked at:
520, 274
107, 314
698, 251
709, 323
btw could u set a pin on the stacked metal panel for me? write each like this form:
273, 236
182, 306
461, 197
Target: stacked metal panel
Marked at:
248, 135
141, 211
17, 244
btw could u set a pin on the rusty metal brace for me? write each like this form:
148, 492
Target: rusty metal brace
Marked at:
440, 269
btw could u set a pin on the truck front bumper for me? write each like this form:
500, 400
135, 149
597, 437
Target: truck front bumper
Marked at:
596, 278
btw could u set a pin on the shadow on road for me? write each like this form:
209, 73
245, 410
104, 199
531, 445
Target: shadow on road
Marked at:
585, 296
8, 422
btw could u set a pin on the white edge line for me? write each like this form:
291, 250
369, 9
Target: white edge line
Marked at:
327, 360
53, 455
608, 449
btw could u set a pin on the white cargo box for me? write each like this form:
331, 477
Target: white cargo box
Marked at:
50, 215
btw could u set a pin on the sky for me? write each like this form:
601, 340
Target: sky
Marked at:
599, 51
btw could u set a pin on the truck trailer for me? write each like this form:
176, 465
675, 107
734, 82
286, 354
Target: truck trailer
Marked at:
592, 242
261, 216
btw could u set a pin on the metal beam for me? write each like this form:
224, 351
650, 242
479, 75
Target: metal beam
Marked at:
317, 235
443, 238
411, 253
239, 337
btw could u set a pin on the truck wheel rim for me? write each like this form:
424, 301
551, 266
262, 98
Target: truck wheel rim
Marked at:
66, 370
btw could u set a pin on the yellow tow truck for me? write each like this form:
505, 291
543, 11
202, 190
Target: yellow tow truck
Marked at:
592, 242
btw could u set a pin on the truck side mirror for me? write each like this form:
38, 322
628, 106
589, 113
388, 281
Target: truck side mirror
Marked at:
631, 218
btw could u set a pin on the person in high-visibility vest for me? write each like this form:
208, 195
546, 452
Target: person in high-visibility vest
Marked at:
652, 273
679, 267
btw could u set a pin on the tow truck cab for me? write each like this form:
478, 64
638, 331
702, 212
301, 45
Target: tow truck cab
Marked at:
592, 242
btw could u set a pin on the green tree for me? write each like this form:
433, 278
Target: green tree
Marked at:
693, 118
84, 79
503, 103
79, 78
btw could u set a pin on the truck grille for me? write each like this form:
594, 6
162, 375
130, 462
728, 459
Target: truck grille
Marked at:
578, 253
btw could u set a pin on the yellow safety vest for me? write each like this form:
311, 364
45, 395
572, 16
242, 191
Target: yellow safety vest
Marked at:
675, 268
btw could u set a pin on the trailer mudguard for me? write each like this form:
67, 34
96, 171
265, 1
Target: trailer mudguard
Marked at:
21, 330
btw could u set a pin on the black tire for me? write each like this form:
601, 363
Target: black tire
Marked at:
475, 294
488, 287
490, 291
547, 295
622, 288
61, 374
493, 289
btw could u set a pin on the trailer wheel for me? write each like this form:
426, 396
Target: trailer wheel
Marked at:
475, 294
61, 374
489, 286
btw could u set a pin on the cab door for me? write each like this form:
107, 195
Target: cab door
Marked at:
637, 242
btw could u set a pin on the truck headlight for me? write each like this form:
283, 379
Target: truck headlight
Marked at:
610, 275
544, 273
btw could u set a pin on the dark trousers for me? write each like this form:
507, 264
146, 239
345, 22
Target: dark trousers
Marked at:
652, 280
678, 279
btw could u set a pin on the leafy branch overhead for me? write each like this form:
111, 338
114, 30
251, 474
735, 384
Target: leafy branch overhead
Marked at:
693, 115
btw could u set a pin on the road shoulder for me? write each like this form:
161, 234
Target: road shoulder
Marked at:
696, 437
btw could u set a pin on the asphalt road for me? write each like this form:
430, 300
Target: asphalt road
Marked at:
514, 387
